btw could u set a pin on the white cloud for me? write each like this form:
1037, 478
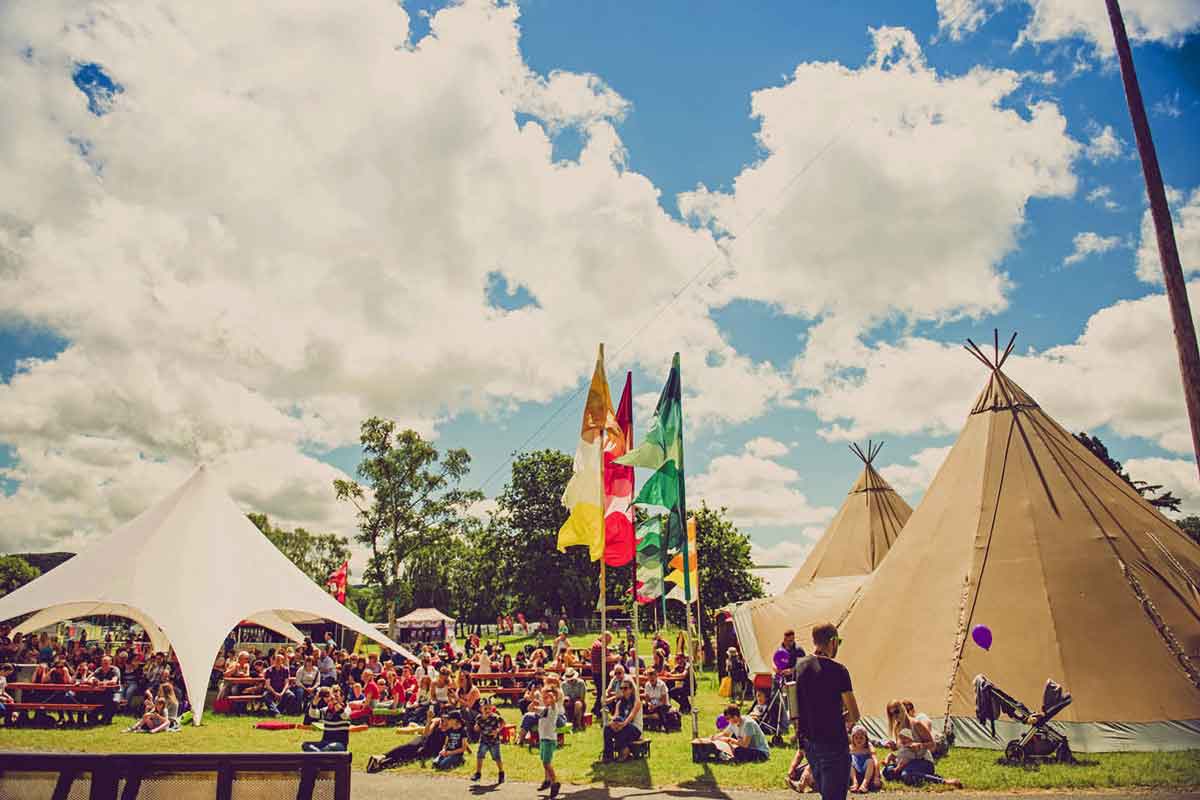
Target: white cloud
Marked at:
1103, 144
1102, 195
785, 558
1186, 216
1164, 21
871, 199
275, 236
1089, 243
766, 447
960, 17
1176, 474
1121, 372
912, 479
758, 492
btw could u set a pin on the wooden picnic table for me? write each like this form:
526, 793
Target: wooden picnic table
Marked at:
77, 688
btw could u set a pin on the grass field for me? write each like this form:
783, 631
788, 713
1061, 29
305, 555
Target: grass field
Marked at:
670, 763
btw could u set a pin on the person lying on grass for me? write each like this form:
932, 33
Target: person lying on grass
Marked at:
745, 736
423, 747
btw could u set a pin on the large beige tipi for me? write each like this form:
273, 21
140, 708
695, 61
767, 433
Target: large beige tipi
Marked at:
860, 535
863, 530
1077, 576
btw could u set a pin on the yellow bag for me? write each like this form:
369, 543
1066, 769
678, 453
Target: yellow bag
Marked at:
726, 687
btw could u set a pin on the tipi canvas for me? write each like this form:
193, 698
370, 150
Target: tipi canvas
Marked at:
829, 580
1078, 577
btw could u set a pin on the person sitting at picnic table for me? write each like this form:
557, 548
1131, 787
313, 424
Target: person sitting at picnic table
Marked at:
613, 692
308, 679
658, 701
744, 735
531, 710
277, 688
533, 687
658, 661
238, 669
626, 725
574, 690
660, 643
681, 693
107, 675
327, 667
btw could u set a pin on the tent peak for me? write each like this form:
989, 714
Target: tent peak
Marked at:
999, 357
873, 449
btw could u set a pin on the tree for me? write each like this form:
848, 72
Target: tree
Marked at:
409, 499
1190, 526
524, 531
15, 572
317, 555
1157, 498
724, 563
478, 579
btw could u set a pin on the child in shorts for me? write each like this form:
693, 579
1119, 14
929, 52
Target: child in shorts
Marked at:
548, 740
488, 727
864, 769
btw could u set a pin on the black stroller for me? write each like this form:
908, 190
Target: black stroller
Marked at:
774, 721
1040, 742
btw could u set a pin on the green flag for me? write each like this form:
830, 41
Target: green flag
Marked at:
662, 451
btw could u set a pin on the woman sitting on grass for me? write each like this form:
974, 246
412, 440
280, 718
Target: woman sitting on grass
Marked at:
166, 692
153, 721
912, 741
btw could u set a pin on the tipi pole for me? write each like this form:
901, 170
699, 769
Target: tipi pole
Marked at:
1168, 253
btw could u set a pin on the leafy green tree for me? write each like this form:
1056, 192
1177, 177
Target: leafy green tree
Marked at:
317, 555
724, 564
478, 580
15, 572
1190, 526
410, 498
366, 602
1157, 497
524, 532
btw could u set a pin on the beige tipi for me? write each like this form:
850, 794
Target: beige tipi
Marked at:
830, 579
863, 530
1078, 577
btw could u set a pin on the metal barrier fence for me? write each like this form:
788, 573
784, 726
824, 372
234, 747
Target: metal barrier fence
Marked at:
192, 776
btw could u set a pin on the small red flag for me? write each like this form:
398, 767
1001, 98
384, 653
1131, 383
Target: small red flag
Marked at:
336, 585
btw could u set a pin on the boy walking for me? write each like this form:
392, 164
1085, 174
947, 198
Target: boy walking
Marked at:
488, 727
548, 740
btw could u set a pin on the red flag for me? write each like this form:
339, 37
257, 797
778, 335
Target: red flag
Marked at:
336, 585
618, 487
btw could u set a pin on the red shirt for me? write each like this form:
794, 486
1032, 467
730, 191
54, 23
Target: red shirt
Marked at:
371, 692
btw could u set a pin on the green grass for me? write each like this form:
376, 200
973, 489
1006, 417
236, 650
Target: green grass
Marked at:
670, 763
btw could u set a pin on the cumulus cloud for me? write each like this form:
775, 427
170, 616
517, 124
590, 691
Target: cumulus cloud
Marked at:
758, 491
1186, 216
871, 193
913, 478
1121, 372
1089, 243
1103, 144
266, 238
957, 18
1175, 474
1164, 21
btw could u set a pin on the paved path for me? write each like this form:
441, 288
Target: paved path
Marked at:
422, 787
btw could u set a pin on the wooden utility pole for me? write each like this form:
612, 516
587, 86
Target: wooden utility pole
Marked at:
1168, 253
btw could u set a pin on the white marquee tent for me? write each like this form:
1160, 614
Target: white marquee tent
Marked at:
188, 569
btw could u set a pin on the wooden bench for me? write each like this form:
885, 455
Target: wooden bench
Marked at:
79, 709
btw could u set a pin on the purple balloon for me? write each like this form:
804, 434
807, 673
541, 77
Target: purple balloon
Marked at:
722, 722
782, 659
982, 635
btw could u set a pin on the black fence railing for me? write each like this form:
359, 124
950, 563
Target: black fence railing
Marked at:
263, 776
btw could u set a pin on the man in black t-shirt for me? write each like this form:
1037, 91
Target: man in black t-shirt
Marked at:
277, 688
827, 709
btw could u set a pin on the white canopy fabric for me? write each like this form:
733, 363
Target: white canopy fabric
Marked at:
191, 567
158, 639
424, 615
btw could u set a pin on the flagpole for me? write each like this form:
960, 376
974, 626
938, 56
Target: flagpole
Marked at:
687, 571
665, 542
603, 590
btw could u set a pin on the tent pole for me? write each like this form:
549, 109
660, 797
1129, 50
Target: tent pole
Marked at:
1168, 252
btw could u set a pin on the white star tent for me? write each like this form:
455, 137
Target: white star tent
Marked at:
188, 569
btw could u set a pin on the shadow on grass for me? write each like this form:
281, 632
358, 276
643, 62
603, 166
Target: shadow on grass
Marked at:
636, 774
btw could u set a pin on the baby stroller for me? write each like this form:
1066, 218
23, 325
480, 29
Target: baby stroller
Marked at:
1040, 742
774, 721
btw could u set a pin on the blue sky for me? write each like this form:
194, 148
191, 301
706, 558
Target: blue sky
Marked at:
669, 103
